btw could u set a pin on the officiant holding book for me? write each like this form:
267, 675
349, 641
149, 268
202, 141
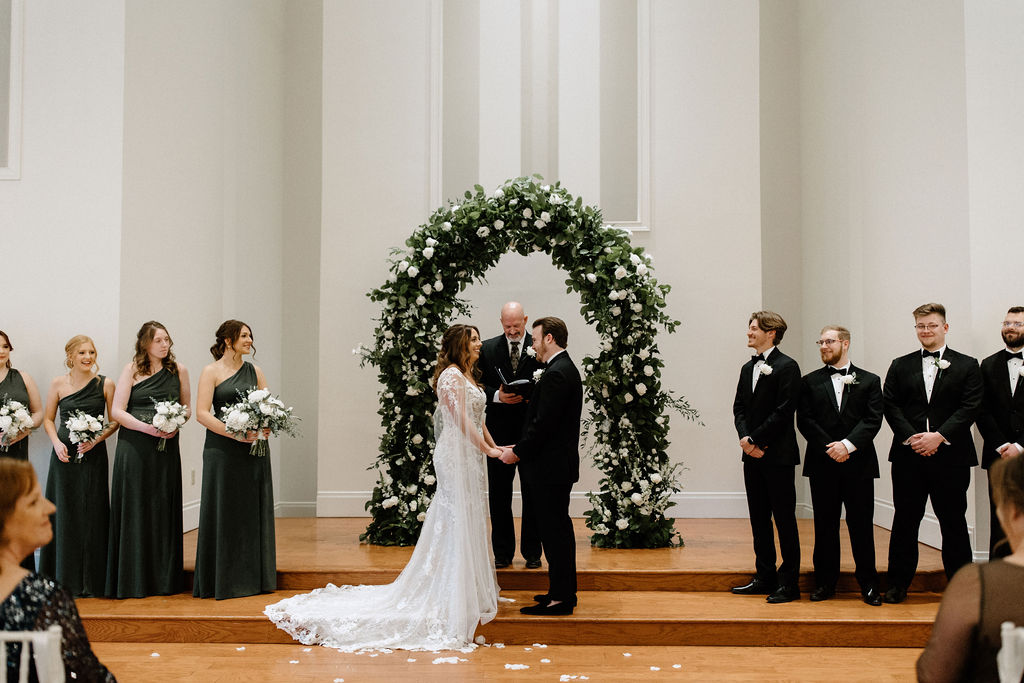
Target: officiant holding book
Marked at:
507, 373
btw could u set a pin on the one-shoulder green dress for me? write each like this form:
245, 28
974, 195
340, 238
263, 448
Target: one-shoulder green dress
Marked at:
13, 388
76, 558
145, 547
235, 554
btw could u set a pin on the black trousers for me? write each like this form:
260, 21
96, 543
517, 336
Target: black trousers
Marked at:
557, 536
829, 494
503, 530
998, 546
914, 481
771, 494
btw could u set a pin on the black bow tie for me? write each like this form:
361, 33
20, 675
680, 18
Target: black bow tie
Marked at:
933, 354
1010, 354
838, 371
758, 357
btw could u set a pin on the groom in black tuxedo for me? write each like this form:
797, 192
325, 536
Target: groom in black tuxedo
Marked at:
506, 413
766, 398
839, 414
550, 456
932, 397
1001, 420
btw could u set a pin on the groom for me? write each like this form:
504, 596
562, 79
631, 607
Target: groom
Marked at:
549, 457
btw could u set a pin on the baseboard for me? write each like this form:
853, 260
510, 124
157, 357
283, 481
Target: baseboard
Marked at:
190, 515
930, 533
295, 509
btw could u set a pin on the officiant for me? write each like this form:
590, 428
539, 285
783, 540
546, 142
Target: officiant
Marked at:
505, 356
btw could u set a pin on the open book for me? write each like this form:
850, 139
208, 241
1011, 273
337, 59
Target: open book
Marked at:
522, 387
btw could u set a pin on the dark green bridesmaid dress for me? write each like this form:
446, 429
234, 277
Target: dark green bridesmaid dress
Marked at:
235, 554
145, 547
13, 387
76, 558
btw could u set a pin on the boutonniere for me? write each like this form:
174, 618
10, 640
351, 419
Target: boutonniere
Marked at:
1020, 371
537, 374
530, 352
766, 369
850, 379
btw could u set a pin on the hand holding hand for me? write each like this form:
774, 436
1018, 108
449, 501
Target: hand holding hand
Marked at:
508, 456
494, 452
756, 452
1005, 451
85, 447
508, 397
926, 443
747, 445
837, 451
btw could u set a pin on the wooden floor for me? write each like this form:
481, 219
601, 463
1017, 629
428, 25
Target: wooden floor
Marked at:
641, 613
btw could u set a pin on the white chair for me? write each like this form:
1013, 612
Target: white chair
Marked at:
46, 651
1010, 659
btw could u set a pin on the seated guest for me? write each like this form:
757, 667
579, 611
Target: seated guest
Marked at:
966, 638
31, 602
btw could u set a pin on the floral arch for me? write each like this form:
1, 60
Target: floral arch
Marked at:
628, 423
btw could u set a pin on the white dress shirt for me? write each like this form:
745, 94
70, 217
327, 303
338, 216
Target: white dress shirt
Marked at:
839, 387
757, 367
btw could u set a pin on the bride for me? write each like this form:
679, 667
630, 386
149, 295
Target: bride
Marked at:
449, 584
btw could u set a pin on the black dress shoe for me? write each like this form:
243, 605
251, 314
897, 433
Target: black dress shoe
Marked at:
872, 597
501, 564
533, 563
895, 595
755, 587
784, 594
543, 598
548, 610
822, 593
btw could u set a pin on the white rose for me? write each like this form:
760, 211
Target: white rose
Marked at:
659, 420
420, 517
546, 188
648, 370
527, 212
537, 374
428, 288
637, 308
1020, 371
644, 354
421, 300
628, 398
766, 369
388, 334
483, 232
428, 252
417, 439
531, 353
431, 242
641, 388
634, 259
622, 524
637, 498
616, 310
412, 488
438, 286
626, 486
943, 364
180, 420
613, 295
403, 266
411, 391
545, 216
161, 409
513, 201
5, 422
641, 270
429, 480
606, 346
267, 409
413, 271
555, 199
591, 278
499, 224
413, 505
498, 194
621, 272
389, 502
540, 224
446, 226
257, 395
656, 478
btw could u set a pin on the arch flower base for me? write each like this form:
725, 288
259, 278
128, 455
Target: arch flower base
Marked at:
628, 421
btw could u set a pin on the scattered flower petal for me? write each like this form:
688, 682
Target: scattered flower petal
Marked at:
240, 649
155, 654
545, 661
655, 668
517, 667
410, 660
307, 649
627, 654
446, 660
294, 661
539, 645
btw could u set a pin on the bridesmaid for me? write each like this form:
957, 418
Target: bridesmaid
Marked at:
19, 386
77, 555
235, 554
145, 549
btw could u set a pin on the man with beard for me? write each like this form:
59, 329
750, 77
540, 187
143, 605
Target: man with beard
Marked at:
1002, 414
839, 414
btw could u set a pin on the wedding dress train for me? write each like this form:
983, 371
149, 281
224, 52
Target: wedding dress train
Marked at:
449, 584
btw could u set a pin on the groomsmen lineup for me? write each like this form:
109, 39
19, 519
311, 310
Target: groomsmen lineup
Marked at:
930, 399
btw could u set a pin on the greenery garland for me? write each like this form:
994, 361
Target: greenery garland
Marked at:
628, 423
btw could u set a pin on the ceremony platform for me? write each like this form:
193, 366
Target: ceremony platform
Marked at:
664, 607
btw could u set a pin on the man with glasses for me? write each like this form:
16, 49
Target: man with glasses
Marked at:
766, 399
840, 413
931, 397
1001, 420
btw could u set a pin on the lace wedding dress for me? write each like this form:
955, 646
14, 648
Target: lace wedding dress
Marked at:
449, 584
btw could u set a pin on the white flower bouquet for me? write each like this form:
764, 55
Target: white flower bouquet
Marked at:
83, 428
14, 419
168, 418
257, 411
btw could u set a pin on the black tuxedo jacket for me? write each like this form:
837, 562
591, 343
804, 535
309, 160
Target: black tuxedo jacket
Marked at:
821, 422
1001, 419
504, 421
550, 445
766, 414
956, 399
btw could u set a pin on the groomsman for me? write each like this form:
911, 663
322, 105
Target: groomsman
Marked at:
505, 415
839, 414
766, 398
1001, 420
931, 396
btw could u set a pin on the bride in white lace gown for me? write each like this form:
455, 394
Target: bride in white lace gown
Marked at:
449, 584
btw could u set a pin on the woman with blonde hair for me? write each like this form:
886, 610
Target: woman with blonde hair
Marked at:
145, 546
77, 481
31, 602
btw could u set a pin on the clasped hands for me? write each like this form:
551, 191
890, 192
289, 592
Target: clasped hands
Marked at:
507, 456
750, 448
926, 443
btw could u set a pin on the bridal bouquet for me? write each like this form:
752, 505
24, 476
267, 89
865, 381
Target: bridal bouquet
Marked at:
83, 428
169, 417
14, 419
257, 411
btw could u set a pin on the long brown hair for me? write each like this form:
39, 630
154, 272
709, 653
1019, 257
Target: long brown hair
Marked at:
73, 345
229, 330
142, 341
16, 481
10, 347
455, 351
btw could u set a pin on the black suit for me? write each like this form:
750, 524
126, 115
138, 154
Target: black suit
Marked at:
549, 451
1000, 421
834, 484
765, 414
505, 423
944, 476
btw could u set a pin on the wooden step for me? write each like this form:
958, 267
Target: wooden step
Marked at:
206, 662
603, 618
